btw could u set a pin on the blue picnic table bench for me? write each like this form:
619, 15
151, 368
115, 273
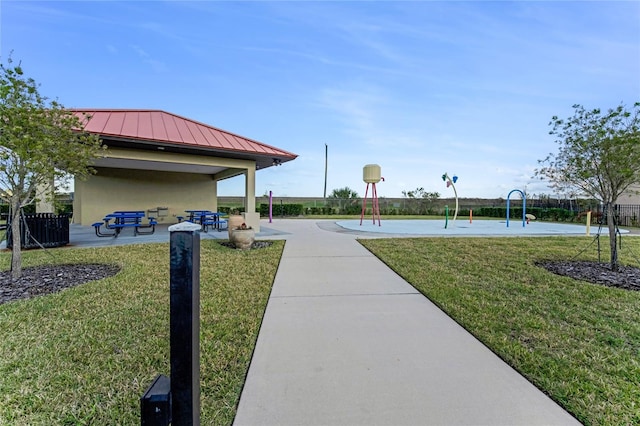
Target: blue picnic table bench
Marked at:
207, 218
119, 220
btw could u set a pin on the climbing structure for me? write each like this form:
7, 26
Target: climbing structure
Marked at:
451, 183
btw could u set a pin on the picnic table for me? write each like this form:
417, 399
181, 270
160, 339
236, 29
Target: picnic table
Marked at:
119, 220
207, 218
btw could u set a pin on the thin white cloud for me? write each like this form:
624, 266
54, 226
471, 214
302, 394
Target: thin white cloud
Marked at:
156, 65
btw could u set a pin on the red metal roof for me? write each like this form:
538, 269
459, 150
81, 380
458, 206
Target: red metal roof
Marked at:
163, 127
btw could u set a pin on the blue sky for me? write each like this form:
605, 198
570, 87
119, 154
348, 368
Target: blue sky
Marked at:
419, 87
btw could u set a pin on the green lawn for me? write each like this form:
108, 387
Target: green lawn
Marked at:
578, 342
86, 355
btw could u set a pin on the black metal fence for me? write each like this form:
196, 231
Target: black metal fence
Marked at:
628, 214
39, 230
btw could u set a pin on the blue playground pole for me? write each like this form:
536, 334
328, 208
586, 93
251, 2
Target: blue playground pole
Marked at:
524, 206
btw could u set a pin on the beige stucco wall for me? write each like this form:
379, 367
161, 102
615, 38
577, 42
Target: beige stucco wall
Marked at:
121, 184
44, 199
630, 197
113, 189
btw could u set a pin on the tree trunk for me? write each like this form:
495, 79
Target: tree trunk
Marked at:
613, 241
16, 251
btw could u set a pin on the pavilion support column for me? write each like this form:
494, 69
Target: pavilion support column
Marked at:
215, 196
45, 198
251, 217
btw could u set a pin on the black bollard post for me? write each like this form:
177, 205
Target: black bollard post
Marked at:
155, 404
185, 323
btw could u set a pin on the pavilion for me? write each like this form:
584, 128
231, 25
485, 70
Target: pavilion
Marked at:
159, 161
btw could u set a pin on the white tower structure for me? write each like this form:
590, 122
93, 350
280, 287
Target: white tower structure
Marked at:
371, 174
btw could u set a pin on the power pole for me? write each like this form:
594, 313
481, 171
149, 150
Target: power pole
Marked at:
326, 159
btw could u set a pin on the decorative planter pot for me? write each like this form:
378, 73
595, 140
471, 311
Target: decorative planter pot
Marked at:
243, 238
235, 220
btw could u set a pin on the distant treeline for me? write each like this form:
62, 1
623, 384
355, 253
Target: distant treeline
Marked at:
295, 206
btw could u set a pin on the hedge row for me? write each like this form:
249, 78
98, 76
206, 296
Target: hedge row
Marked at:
231, 210
289, 210
31, 208
281, 210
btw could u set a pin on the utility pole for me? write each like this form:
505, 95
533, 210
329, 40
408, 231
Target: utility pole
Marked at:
326, 159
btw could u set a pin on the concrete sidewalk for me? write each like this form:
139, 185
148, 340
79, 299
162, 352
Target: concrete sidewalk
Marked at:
346, 341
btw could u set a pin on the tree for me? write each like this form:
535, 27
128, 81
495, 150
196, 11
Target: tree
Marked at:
422, 194
421, 197
599, 155
343, 193
346, 194
41, 144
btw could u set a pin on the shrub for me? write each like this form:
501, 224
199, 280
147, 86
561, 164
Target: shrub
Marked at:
282, 209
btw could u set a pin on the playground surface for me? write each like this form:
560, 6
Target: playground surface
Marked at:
84, 236
465, 227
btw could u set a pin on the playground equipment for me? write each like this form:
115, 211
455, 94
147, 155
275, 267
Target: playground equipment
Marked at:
450, 183
371, 175
524, 206
446, 216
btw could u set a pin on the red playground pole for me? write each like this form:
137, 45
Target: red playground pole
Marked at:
364, 203
375, 206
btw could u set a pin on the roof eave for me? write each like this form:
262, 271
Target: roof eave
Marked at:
263, 160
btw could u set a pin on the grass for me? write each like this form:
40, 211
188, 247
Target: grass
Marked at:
86, 355
578, 342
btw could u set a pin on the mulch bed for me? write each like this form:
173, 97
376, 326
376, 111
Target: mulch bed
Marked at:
40, 280
254, 246
627, 277
46, 279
